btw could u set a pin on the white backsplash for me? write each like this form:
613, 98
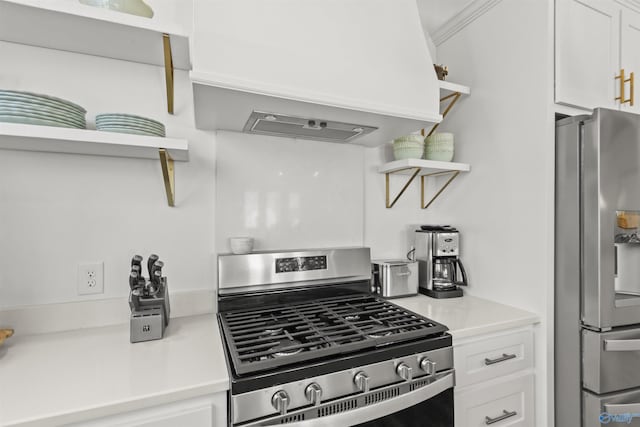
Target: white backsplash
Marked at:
288, 193
389, 232
59, 210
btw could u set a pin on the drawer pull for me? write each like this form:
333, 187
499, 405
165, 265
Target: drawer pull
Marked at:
505, 414
504, 357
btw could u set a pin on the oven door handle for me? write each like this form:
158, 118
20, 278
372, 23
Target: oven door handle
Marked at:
384, 408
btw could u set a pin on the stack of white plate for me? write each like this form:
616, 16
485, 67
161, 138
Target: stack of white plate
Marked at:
36, 109
128, 123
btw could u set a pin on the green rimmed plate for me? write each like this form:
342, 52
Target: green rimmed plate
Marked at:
131, 131
37, 97
41, 107
132, 125
34, 121
42, 115
117, 116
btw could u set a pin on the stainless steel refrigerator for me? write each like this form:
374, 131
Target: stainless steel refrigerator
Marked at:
597, 270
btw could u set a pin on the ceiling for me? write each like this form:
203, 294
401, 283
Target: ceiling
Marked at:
434, 13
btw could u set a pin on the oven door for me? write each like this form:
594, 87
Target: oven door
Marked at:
426, 401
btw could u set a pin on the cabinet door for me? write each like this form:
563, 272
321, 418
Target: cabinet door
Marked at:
479, 361
587, 52
630, 54
507, 402
207, 411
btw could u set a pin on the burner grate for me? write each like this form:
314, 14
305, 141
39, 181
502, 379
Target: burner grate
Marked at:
272, 337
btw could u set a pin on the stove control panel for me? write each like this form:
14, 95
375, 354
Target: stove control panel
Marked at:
317, 391
305, 263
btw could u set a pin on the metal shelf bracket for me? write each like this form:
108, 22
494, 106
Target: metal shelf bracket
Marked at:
454, 174
390, 205
168, 71
168, 174
453, 97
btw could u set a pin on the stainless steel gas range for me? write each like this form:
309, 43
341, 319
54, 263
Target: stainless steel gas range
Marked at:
307, 343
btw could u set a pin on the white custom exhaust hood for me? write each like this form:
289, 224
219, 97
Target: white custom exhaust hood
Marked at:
351, 71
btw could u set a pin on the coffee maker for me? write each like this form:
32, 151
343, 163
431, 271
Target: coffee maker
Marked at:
437, 250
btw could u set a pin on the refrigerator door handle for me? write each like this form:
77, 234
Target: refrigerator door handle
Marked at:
621, 408
622, 345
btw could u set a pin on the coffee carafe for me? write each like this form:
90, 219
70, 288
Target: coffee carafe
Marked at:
437, 250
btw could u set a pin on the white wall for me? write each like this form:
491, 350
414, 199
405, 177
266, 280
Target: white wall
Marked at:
505, 130
58, 210
390, 232
288, 193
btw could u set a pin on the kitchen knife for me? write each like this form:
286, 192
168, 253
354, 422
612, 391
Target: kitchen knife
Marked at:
137, 269
136, 260
157, 267
152, 259
158, 279
133, 280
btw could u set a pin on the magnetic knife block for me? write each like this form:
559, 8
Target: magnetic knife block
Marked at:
149, 313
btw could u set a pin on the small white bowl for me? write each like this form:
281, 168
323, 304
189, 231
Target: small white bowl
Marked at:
241, 245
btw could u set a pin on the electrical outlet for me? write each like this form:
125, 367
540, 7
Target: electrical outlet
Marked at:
91, 278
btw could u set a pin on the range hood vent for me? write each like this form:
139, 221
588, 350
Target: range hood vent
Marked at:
305, 128
349, 64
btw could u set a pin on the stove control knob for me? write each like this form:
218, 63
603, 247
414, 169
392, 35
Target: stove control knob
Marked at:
313, 393
362, 382
404, 371
429, 366
280, 401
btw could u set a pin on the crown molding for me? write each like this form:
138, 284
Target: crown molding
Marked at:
631, 4
467, 15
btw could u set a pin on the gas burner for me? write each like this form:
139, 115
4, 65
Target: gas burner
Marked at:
377, 332
351, 317
282, 348
270, 332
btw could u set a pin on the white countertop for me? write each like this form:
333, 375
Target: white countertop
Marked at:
468, 316
64, 377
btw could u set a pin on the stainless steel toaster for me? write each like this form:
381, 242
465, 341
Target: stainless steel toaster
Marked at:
394, 278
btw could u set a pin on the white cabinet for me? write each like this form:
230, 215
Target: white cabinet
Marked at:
594, 41
630, 53
501, 403
494, 379
207, 411
587, 52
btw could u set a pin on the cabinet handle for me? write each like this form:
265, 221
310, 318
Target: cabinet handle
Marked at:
504, 357
505, 414
631, 90
621, 98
